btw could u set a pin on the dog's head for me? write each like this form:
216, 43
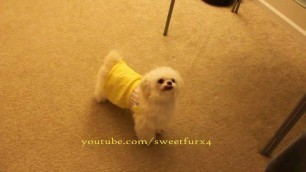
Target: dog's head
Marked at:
161, 84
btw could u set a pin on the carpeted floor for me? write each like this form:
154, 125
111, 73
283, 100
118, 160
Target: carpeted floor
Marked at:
243, 74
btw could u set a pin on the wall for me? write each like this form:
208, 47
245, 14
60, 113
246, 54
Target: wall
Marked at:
290, 11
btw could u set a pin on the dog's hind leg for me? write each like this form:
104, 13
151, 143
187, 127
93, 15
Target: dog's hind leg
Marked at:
99, 94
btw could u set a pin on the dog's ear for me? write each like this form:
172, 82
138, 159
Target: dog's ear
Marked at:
145, 87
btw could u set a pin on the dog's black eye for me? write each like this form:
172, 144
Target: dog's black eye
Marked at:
160, 81
173, 80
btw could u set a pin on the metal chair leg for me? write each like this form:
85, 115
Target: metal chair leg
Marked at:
236, 6
295, 115
169, 17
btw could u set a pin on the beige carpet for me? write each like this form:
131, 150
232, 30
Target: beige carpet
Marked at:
244, 74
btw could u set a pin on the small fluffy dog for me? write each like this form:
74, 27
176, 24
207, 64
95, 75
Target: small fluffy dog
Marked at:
152, 98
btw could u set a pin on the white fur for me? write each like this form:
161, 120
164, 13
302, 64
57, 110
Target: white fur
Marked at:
110, 60
156, 104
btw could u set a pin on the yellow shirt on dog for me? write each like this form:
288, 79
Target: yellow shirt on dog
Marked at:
121, 82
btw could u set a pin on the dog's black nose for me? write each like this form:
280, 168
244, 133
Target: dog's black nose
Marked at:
169, 83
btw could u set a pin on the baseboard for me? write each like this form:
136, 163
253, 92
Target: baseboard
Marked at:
283, 17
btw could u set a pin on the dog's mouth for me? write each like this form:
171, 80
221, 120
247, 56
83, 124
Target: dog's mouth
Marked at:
168, 87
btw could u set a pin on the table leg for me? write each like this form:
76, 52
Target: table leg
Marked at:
295, 115
169, 17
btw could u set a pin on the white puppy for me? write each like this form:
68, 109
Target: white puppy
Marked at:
152, 98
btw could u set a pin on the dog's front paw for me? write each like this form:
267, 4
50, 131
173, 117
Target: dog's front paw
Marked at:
160, 131
147, 135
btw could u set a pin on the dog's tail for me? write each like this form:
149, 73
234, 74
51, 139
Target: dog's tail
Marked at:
110, 60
